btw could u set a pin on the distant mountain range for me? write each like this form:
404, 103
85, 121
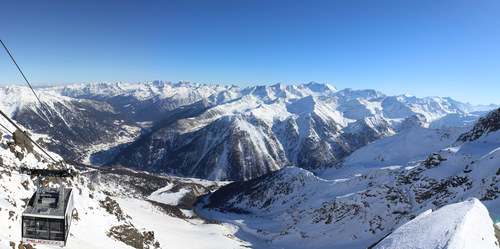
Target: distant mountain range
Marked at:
222, 132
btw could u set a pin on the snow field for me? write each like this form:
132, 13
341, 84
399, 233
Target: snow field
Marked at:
456, 226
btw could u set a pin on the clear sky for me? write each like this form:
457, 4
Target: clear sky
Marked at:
422, 47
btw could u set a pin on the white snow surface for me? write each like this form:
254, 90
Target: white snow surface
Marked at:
406, 147
166, 196
14, 97
456, 226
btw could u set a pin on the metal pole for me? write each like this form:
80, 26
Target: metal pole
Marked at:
38, 189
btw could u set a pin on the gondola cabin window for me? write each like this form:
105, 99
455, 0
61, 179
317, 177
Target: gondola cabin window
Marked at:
47, 218
43, 228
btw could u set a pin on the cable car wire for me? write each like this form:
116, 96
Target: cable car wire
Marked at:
20, 71
35, 143
5, 128
43, 106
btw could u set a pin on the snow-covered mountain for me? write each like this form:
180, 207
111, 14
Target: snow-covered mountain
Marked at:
260, 129
414, 141
75, 128
223, 132
293, 208
147, 101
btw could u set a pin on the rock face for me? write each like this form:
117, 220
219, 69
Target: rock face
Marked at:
485, 125
21, 139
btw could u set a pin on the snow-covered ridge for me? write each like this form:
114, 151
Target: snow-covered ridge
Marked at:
141, 91
432, 107
485, 125
462, 225
12, 98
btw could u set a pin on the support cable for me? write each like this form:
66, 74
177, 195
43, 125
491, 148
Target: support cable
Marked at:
18, 68
5, 128
41, 103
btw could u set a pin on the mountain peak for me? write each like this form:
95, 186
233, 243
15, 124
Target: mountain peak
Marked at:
364, 94
418, 120
320, 87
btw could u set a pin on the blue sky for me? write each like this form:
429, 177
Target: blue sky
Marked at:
424, 47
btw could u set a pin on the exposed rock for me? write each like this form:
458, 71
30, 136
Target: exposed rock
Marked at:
22, 140
433, 160
113, 208
129, 235
485, 125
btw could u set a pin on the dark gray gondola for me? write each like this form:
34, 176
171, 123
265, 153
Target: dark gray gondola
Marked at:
48, 215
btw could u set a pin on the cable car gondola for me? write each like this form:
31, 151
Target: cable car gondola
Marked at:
48, 215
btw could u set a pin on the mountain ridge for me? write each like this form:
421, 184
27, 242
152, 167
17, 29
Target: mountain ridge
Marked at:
310, 125
314, 124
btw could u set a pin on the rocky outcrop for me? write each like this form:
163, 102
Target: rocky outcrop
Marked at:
485, 125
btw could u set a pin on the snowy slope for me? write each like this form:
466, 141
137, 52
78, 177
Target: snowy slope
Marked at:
462, 225
293, 208
111, 209
415, 141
